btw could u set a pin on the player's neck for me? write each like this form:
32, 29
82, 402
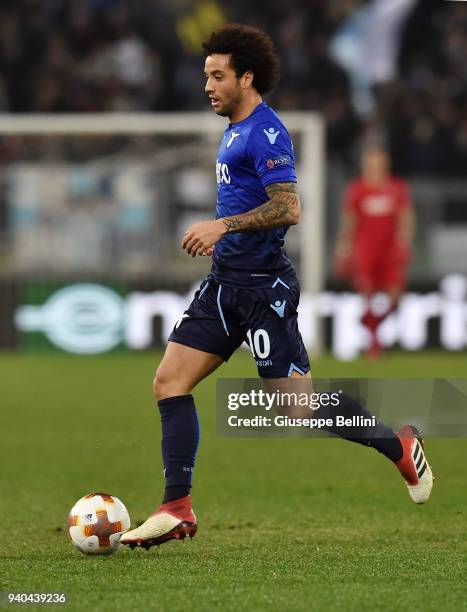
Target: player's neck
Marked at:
375, 180
245, 107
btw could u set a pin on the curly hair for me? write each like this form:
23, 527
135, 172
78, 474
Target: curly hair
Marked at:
250, 49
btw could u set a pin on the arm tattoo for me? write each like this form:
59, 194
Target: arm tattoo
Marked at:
282, 209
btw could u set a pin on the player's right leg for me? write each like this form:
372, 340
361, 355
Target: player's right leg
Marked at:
276, 343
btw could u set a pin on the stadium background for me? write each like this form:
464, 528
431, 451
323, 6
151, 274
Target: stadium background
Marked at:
327, 526
116, 206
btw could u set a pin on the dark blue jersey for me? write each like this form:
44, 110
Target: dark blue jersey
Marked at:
253, 154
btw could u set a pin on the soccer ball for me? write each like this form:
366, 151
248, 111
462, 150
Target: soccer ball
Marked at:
96, 523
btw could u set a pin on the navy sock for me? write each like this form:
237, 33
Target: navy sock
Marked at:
378, 436
180, 440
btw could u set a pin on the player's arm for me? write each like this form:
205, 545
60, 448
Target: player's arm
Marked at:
282, 209
406, 227
344, 242
345, 234
405, 231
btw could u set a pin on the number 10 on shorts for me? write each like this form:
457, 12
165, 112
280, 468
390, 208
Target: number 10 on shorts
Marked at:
260, 345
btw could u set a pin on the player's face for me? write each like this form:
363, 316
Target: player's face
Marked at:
375, 162
222, 85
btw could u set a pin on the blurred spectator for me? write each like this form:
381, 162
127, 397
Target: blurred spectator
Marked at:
136, 55
427, 104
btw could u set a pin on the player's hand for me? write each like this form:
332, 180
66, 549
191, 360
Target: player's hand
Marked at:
342, 264
208, 252
341, 267
200, 238
402, 253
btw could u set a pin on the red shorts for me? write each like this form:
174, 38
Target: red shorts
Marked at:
378, 272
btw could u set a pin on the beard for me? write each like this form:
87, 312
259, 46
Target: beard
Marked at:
229, 107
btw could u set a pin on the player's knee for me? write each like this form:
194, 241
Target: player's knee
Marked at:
160, 384
166, 385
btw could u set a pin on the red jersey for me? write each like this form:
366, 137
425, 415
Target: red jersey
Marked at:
376, 209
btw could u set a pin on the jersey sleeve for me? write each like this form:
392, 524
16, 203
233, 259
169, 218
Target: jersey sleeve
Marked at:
270, 150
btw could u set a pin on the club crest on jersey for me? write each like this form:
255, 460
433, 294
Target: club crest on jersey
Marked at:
222, 173
271, 135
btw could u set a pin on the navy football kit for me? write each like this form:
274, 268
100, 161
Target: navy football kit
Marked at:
252, 292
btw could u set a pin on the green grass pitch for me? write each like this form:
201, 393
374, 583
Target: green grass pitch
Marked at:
285, 524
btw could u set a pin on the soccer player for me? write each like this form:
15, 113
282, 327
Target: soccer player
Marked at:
252, 292
375, 237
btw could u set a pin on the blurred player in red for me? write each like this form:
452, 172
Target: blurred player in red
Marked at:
375, 237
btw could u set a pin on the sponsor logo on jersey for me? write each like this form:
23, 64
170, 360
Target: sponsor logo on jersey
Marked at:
378, 205
233, 136
263, 363
272, 135
284, 160
222, 173
279, 308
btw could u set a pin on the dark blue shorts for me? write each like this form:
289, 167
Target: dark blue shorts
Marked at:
220, 318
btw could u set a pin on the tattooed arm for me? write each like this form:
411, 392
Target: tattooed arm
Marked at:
282, 209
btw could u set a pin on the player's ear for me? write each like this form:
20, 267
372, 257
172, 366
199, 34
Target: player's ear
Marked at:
247, 79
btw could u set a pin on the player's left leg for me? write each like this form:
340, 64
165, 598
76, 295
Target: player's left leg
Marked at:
180, 370
378, 271
281, 358
390, 281
380, 307
198, 345
365, 280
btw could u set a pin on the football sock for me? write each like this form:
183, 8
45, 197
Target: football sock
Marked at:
372, 321
378, 436
180, 440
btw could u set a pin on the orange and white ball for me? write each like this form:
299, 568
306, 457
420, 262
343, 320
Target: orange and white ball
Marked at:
96, 523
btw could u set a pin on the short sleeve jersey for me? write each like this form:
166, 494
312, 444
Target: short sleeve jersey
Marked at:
253, 154
376, 209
